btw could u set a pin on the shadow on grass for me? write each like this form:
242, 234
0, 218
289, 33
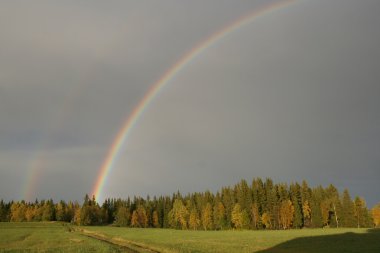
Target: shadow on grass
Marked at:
348, 242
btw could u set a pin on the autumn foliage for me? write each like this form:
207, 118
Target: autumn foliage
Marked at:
260, 205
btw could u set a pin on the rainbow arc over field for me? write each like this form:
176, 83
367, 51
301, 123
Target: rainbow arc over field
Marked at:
132, 119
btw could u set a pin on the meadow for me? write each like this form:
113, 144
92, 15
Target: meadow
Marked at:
62, 237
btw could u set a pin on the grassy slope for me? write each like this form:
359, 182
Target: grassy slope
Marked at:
306, 240
46, 237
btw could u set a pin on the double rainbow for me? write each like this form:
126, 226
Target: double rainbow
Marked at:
132, 120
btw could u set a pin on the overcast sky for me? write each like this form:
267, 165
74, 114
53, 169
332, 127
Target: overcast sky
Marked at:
293, 95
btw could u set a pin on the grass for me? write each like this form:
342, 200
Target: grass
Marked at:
47, 237
305, 240
58, 237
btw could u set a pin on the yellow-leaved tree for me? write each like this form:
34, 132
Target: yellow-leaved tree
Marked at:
376, 215
286, 213
207, 217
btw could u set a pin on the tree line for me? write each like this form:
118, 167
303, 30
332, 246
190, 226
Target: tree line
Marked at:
260, 205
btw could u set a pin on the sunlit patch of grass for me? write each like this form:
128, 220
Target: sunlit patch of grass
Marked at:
58, 237
47, 237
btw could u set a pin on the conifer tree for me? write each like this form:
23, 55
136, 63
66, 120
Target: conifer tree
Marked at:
316, 215
258, 193
122, 217
348, 212
219, 215
228, 203
332, 196
297, 204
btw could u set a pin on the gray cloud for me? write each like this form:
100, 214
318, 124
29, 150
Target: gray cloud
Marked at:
292, 95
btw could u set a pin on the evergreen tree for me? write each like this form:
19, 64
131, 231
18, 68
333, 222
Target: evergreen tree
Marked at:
335, 211
348, 212
228, 203
219, 215
122, 217
295, 192
316, 214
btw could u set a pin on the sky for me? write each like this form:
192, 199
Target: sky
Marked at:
292, 95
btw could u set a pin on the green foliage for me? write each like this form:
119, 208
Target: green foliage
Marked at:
296, 198
348, 210
258, 206
178, 216
122, 217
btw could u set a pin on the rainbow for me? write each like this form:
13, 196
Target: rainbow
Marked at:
131, 121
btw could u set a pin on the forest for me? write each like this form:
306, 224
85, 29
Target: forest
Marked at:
261, 205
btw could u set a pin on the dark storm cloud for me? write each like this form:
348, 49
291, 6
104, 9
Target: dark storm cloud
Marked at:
292, 95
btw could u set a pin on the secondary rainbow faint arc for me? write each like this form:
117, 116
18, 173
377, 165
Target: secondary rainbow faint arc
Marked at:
168, 75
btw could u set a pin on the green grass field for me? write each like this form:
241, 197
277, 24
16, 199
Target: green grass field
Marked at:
47, 237
57, 237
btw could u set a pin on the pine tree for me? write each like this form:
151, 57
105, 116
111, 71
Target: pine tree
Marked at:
4, 211
296, 199
316, 215
332, 196
122, 217
60, 210
219, 215
348, 212
258, 193
228, 203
